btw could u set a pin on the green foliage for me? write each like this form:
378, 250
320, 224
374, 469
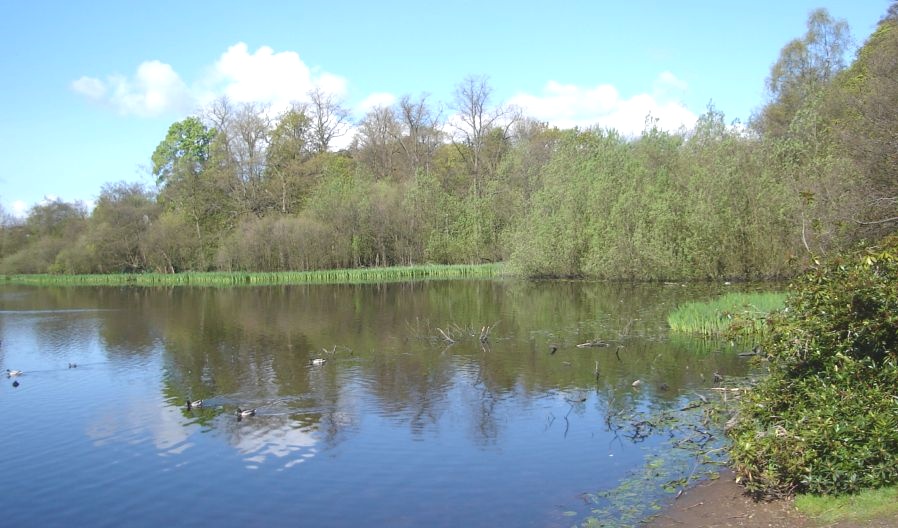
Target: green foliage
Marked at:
826, 419
185, 148
277, 244
664, 207
731, 314
804, 68
171, 244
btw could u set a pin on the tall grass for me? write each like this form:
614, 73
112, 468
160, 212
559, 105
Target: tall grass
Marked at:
336, 276
733, 313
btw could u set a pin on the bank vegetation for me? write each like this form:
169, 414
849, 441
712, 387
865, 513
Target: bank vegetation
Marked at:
238, 189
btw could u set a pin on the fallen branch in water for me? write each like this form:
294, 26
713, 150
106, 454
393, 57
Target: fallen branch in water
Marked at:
593, 343
446, 336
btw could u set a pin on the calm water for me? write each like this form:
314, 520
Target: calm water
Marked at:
397, 428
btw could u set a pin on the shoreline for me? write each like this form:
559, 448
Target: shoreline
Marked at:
722, 502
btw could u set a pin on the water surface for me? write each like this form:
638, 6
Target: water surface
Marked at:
399, 427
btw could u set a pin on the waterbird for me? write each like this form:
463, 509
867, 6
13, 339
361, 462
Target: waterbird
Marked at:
318, 361
717, 377
73, 365
636, 384
553, 349
243, 413
15, 383
194, 404
13, 373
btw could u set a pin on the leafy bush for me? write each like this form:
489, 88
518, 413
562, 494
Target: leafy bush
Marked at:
826, 419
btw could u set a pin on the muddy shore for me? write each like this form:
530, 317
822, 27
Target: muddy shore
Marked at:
723, 503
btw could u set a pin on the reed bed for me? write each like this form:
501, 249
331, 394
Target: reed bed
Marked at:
731, 314
336, 276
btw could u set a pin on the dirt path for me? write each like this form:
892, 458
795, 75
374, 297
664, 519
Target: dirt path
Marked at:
722, 503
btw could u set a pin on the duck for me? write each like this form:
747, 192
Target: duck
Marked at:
13, 373
243, 413
318, 361
194, 404
73, 365
15, 383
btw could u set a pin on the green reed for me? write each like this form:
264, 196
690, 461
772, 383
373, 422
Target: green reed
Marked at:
336, 276
732, 313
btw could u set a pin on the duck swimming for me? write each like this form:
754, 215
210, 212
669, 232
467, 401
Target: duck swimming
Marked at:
243, 413
13, 373
317, 361
194, 404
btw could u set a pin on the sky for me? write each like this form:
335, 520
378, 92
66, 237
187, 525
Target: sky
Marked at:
89, 89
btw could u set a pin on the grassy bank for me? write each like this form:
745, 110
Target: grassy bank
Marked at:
258, 279
733, 313
867, 505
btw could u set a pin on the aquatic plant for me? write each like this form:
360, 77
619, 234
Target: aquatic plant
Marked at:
335, 276
738, 314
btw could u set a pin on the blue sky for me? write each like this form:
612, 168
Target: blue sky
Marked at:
90, 88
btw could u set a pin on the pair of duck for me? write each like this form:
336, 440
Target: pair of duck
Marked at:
241, 413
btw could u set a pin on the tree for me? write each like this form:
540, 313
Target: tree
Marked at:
287, 171
419, 131
330, 119
376, 142
804, 67
56, 218
183, 164
244, 135
865, 101
475, 122
118, 225
185, 148
48, 230
170, 246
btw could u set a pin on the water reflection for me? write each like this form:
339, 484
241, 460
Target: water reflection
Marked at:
412, 399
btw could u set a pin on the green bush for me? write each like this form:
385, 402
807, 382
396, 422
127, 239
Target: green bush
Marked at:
826, 418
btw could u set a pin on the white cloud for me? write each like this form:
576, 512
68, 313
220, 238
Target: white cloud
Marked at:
154, 89
668, 83
19, 209
263, 76
568, 106
90, 87
375, 100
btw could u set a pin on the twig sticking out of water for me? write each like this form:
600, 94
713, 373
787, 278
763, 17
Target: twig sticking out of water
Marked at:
683, 489
485, 332
446, 336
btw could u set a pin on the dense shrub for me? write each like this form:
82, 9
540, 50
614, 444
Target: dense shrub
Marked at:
826, 419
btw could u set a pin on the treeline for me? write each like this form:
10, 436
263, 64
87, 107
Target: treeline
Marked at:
239, 189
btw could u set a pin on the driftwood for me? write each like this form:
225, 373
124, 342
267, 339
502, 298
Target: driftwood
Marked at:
593, 343
446, 336
454, 333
